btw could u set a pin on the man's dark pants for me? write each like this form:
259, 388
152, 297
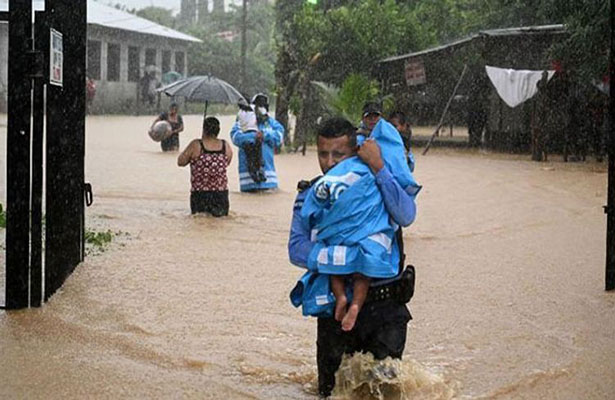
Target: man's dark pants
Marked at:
380, 329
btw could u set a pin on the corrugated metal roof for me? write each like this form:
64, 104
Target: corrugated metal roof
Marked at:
524, 30
109, 17
433, 49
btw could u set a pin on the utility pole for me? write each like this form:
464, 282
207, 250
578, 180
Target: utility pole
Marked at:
242, 72
610, 207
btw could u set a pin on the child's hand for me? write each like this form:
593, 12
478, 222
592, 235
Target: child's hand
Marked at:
259, 136
369, 152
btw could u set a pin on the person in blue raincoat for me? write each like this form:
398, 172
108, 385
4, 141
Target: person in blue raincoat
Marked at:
354, 231
381, 326
399, 120
270, 135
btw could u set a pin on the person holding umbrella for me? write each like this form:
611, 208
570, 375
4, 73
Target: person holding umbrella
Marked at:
270, 135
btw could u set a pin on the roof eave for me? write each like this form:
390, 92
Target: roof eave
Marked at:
524, 30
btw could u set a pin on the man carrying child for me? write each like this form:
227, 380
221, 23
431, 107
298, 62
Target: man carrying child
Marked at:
378, 321
257, 146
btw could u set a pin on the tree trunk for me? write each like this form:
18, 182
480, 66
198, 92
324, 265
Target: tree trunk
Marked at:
282, 73
242, 66
301, 128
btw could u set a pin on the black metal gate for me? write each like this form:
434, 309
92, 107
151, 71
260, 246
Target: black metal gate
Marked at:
46, 89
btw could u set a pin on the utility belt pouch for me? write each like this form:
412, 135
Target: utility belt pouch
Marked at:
406, 284
400, 290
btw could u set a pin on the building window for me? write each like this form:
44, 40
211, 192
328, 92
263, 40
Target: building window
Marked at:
133, 64
166, 61
180, 65
113, 62
150, 57
93, 69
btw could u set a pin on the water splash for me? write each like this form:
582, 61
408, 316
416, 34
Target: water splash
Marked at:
362, 377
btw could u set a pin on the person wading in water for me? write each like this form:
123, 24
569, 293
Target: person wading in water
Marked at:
177, 125
208, 158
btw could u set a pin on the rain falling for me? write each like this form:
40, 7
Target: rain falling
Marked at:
299, 199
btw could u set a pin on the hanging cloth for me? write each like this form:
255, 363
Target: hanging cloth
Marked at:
515, 86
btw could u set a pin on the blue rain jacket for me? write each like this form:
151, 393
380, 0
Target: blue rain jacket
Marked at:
273, 133
411, 161
313, 293
353, 231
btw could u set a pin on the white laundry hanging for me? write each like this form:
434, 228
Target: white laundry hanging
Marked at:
515, 86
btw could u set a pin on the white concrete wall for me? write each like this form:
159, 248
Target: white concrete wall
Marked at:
122, 95
111, 97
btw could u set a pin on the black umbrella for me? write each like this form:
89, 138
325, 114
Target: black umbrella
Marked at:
203, 89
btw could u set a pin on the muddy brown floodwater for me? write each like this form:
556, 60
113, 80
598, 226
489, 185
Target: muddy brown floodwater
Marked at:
509, 301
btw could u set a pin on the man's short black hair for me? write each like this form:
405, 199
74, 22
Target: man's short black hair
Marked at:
211, 126
371, 108
335, 127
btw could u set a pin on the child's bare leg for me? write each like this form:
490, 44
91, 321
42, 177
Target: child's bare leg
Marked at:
339, 290
360, 288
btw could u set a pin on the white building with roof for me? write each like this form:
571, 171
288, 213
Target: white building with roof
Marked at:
119, 47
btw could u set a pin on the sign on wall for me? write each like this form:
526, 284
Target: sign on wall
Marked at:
415, 72
56, 58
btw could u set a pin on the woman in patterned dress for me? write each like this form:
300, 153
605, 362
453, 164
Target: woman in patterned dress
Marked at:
208, 158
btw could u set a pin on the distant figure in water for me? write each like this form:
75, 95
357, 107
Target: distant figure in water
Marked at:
177, 125
248, 123
269, 137
90, 93
209, 158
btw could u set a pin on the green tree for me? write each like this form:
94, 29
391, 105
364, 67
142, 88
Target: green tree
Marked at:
158, 15
585, 52
221, 58
347, 101
334, 39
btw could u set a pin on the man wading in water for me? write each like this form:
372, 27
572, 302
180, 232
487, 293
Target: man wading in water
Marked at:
381, 326
270, 135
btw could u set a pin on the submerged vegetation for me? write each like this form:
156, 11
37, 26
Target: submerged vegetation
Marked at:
95, 241
99, 239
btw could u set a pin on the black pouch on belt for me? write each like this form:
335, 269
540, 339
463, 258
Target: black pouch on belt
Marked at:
406, 284
401, 290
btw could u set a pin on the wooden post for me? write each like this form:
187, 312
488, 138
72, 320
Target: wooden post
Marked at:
448, 104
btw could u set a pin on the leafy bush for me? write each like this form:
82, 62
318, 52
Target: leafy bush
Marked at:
348, 100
